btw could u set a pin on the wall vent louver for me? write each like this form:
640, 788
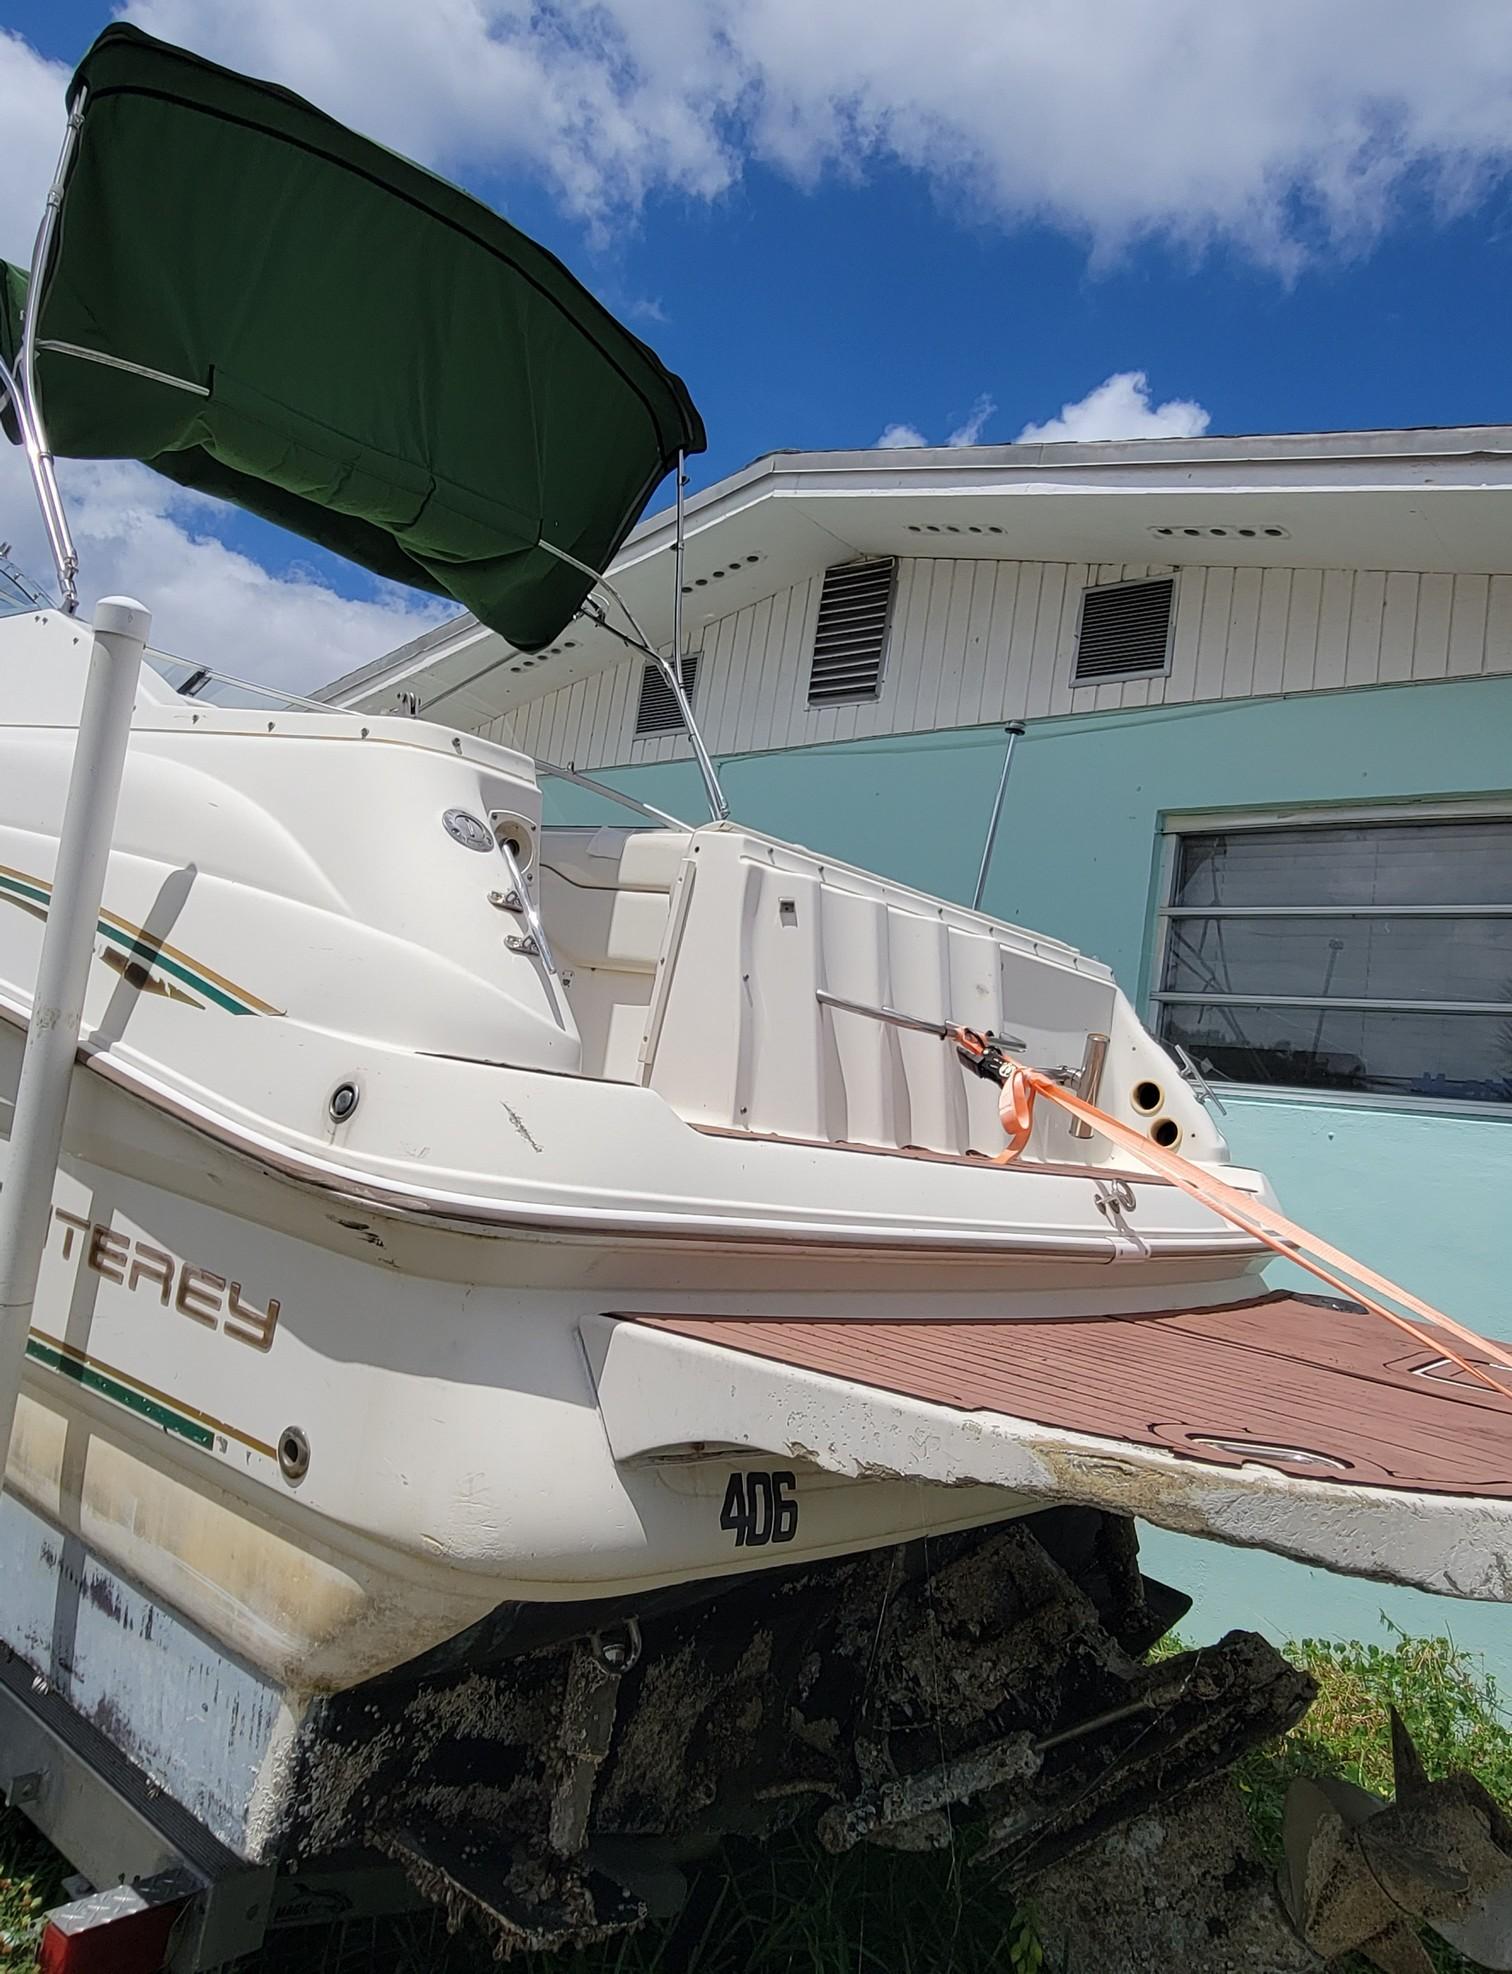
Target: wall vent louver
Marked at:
658, 711
850, 636
1125, 631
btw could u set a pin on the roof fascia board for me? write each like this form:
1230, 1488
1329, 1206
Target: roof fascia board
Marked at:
1275, 463
1346, 462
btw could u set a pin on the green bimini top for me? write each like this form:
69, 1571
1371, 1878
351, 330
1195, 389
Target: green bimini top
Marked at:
264, 306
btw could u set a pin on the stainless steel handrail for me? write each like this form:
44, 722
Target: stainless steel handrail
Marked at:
536, 942
893, 1018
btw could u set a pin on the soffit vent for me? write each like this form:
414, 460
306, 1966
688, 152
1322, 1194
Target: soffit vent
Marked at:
658, 711
850, 637
1125, 631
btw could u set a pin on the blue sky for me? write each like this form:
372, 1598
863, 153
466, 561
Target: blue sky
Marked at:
1286, 232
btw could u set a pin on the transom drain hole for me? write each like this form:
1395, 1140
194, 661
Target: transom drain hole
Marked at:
1148, 1096
1166, 1132
293, 1454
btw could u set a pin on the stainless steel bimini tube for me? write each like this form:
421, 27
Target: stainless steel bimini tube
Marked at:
23, 386
670, 668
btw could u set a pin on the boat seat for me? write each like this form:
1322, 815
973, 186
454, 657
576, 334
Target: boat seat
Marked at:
615, 859
605, 896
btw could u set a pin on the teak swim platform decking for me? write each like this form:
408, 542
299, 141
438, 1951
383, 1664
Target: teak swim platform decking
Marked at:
1302, 1384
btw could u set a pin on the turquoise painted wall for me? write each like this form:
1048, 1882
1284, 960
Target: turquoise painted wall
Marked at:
1421, 1193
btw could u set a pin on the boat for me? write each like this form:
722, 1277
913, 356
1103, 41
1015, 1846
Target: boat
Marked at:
531, 1347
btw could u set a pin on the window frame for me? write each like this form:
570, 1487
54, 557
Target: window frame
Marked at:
1176, 825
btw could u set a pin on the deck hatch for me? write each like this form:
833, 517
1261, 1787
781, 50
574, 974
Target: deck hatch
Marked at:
1125, 631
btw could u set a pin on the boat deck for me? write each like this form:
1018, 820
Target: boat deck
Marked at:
1301, 1384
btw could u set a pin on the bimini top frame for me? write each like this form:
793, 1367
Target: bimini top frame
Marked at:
670, 668
20, 386
439, 442
506, 478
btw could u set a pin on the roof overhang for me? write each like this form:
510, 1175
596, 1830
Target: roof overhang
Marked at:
1438, 500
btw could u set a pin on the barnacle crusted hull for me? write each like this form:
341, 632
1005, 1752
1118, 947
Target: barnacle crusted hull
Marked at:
550, 1788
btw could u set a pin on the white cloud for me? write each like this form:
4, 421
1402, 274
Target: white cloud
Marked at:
969, 431
1120, 408
136, 533
607, 103
901, 435
31, 123
1287, 130
1282, 127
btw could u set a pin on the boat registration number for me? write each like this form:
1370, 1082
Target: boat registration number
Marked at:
760, 1508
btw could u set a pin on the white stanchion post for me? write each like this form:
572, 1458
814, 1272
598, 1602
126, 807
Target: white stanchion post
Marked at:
52, 1040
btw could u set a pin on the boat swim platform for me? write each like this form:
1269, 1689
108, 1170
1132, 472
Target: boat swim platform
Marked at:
1302, 1385
1293, 1424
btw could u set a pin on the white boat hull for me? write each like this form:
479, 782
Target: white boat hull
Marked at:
384, 1249
458, 1453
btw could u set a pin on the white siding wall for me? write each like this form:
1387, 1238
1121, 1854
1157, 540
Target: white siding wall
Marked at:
977, 641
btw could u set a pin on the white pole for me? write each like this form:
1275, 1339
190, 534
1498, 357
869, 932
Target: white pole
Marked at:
719, 808
52, 1039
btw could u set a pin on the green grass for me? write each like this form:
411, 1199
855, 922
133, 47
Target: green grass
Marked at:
31, 1875
789, 1908
1450, 1707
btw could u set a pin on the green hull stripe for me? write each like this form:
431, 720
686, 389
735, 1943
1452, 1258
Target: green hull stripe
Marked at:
108, 1387
151, 956
38, 897
138, 950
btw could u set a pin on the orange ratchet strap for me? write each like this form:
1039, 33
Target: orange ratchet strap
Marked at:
1020, 1085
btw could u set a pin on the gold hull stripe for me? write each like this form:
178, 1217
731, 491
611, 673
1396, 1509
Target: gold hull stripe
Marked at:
172, 1414
144, 947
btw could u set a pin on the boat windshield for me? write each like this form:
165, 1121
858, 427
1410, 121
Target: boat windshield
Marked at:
567, 783
17, 592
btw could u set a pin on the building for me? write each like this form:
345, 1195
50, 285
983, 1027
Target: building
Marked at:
1266, 775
